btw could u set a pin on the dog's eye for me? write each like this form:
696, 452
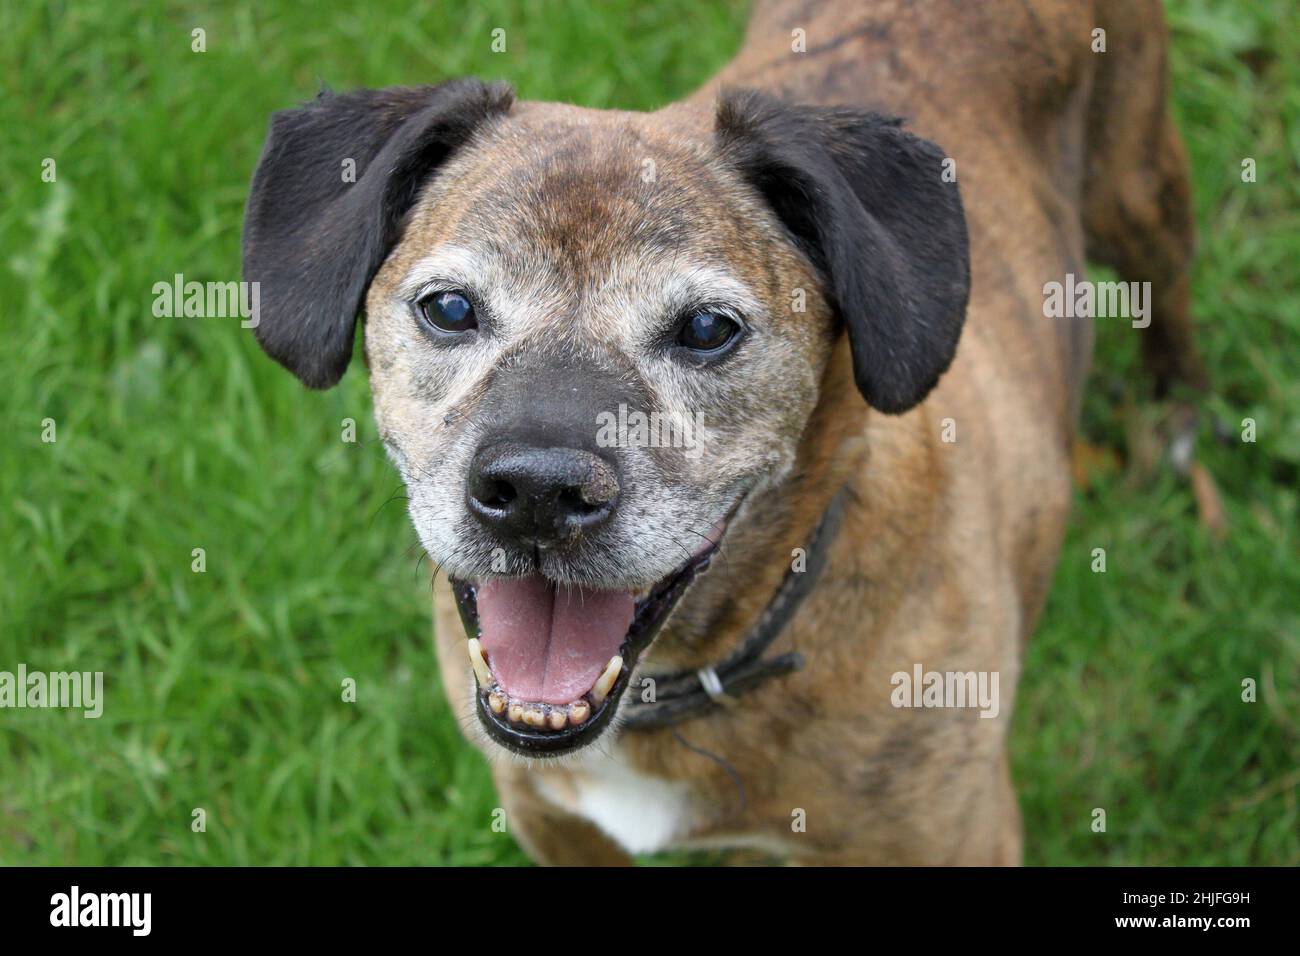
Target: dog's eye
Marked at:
707, 332
448, 312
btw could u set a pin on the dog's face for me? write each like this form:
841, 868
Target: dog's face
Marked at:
592, 336
549, 285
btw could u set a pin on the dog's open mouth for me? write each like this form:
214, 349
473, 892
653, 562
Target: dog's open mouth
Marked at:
552, 661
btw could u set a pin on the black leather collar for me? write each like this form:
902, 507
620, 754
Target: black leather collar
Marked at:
688, 694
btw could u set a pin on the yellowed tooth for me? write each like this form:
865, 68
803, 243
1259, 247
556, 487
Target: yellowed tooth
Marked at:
479, 662
515, 712
496, 702
579, 711
556, 719
534, 716
606, 680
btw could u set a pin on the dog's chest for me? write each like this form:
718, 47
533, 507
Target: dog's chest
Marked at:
642, 813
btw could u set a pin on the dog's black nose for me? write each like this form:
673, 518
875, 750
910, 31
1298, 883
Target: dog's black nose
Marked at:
540, 496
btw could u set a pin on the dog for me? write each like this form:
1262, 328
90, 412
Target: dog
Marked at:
737, 430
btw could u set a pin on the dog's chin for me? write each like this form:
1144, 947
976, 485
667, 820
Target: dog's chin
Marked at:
551, 661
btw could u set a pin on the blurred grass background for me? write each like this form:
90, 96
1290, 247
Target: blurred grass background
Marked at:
224, 687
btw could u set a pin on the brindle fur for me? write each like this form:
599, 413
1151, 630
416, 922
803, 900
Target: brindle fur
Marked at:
947, 549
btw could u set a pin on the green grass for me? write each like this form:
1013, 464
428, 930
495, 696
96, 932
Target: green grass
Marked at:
174, 434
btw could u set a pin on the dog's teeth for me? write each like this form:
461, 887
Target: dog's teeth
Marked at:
479, 663
515, 712
606, 680
534, 716
557, 719
496, 702
579, 711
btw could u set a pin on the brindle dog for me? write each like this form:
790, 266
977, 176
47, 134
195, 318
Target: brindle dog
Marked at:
786, 266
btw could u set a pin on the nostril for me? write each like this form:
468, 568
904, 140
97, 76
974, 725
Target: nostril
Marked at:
572, 502
497, 494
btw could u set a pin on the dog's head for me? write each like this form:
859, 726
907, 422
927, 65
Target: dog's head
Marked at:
594, 336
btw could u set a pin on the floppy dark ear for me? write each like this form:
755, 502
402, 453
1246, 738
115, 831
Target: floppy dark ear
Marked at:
314, 237
866, 200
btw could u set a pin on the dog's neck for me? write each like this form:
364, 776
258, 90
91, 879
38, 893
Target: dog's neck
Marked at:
682, 696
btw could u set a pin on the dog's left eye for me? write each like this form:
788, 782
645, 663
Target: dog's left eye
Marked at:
448, 312
707, 333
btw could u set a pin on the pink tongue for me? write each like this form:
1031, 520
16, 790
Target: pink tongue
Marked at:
547, 644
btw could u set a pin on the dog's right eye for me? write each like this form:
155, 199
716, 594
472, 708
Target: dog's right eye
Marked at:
448, 312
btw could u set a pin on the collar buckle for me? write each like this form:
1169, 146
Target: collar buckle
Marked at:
712, 685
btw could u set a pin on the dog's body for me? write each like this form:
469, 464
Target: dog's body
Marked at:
956, 509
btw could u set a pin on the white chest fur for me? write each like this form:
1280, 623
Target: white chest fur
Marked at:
643, 814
